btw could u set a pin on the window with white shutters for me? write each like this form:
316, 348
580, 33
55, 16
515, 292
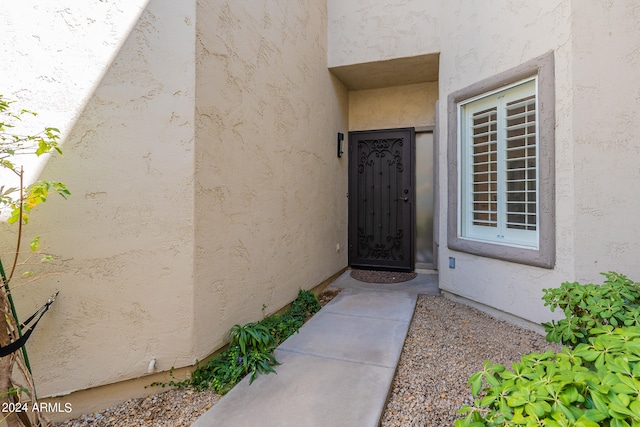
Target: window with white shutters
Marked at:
499, 166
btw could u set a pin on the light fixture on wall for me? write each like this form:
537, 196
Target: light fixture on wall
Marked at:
340, 139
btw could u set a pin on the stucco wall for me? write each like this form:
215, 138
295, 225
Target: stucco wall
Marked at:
200, 149
270, 191
393, 107
270, 205
124, 238
474, 43
597, 62
473, 49
363, 31
55, 54
606, 66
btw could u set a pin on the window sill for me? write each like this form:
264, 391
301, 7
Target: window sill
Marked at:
505, 252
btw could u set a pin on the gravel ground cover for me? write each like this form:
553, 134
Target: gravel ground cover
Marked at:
168, 409
446, 343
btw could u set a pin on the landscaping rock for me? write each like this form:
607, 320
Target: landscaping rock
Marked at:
446, 343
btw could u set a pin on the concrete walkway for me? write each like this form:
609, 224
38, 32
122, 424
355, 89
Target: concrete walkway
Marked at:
337, 371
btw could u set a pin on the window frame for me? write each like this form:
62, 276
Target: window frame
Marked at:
543, 254
495, 102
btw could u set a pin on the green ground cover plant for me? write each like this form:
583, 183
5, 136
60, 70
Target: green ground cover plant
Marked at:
595, 381
595, 384
251, 347
615, 302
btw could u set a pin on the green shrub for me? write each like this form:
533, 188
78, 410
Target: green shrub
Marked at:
250, 352
595, 384
305, 305
616, 302
282, 326
251, 348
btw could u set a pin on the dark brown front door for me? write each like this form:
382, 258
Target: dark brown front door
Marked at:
381, 197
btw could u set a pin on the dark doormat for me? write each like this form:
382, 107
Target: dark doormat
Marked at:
376, 276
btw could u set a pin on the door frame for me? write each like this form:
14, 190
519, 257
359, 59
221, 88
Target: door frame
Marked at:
352, 232
434, 181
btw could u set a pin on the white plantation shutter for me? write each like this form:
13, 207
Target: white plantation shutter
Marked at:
484, 172
521, 164
499, 171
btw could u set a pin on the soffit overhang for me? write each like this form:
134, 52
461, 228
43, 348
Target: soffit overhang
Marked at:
389, 73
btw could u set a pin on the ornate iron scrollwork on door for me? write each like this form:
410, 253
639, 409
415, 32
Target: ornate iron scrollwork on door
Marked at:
380, 226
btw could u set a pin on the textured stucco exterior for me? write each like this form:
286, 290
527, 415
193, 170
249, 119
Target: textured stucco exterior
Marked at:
472, 51
58, 55
366, 31
606, 123
270, 191
200, 151
125, 237
594, 49
393, 107
200, 141
469, 51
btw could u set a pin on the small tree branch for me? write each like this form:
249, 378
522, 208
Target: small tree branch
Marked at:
19, 238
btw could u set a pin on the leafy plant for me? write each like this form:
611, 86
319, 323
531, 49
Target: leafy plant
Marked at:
251, 336
305, 305
251, 348
595, 384
282, 326
616, 302
21, 200
16, 203
256, 346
